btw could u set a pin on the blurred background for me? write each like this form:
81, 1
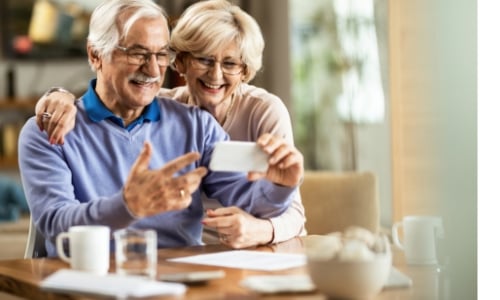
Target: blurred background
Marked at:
387, 86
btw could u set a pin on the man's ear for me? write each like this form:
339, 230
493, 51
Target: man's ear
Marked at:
94, 57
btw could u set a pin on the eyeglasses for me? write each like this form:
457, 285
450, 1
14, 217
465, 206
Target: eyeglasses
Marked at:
228, 67
138, 56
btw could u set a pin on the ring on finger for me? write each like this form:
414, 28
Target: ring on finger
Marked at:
46, 116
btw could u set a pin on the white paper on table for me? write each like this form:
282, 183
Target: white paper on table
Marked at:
112, 285
246, 259
268, 284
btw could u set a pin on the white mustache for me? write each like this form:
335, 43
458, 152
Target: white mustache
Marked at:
144, 78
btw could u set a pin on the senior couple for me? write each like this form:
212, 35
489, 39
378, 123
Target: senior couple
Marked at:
130, 154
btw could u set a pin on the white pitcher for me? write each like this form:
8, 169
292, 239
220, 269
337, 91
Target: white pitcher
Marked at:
419, 243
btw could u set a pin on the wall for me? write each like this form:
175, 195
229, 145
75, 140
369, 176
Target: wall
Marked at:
456, 103
275, 75
434, 126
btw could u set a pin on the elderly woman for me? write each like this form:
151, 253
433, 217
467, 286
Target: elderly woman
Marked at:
218, 51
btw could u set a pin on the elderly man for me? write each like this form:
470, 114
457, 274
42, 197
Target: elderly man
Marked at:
107, 171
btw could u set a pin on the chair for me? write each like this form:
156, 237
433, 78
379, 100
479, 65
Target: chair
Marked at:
35, 246
334, 201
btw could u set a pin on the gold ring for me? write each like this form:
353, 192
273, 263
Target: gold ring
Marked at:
182, 193
46, 115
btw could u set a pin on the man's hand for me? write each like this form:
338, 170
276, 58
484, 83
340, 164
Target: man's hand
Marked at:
286, 163
60, 118
150, 192
237, 228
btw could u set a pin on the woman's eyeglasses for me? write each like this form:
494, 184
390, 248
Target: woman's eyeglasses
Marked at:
228, 66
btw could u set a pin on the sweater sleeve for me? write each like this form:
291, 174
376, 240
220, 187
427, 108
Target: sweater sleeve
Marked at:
48, 184
270, 115
261, 198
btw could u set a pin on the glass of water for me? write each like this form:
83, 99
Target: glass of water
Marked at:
136, 252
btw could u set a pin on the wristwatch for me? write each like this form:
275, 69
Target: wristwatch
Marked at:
60, 90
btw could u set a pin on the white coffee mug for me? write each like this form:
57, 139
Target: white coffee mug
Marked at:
419, 243
88, 248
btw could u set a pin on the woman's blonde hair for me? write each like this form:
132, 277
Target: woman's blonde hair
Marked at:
207, 26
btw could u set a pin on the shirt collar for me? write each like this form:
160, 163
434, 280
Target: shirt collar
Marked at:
97, 112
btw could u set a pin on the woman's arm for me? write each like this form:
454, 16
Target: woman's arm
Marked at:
55, 113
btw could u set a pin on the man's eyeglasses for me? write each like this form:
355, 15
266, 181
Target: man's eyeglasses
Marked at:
138, 56
228, 67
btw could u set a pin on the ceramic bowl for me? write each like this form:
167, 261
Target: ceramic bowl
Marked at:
362, 279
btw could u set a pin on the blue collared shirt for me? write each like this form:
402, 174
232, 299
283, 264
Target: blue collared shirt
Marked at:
98, 112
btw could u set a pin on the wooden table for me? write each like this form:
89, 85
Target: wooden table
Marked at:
22, 277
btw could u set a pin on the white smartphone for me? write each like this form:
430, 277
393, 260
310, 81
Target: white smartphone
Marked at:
236, 156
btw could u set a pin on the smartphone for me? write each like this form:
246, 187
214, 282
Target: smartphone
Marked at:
236, 156
192, 277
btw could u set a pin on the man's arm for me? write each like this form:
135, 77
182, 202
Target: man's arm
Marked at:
61, 195
48, 185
